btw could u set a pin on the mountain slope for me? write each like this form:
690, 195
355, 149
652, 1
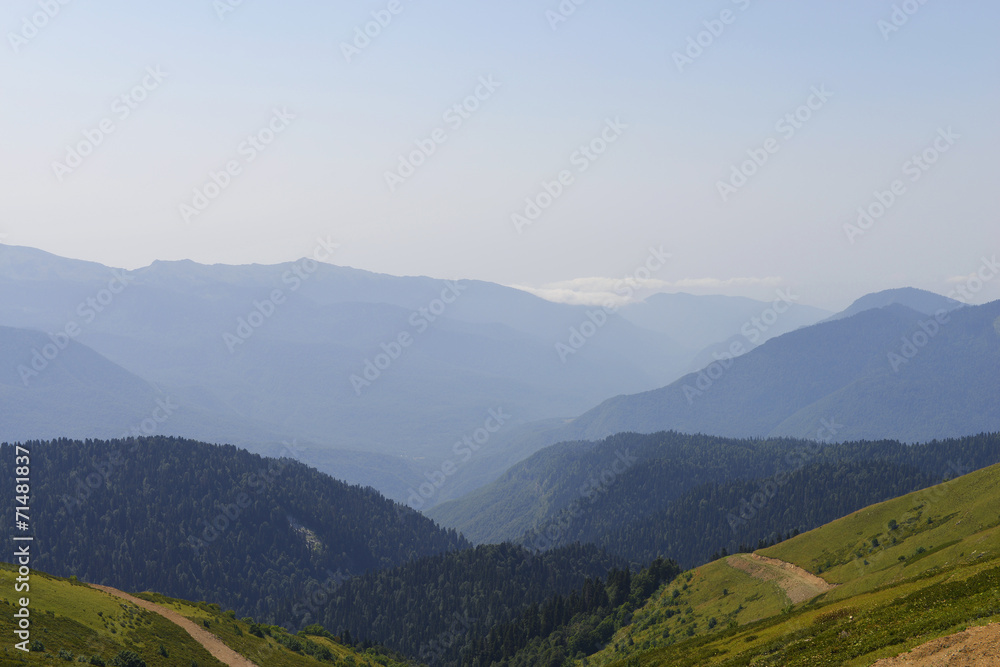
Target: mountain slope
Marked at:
758, 609
94, 397
833, 371
920, 566
92, 391
431, 605
75, 621
919, 300
533, 492
695, 322
686, 496
821, 383
207, 522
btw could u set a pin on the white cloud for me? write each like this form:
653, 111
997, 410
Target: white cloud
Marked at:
598, 290
954, 280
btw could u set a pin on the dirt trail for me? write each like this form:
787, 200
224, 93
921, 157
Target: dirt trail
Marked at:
211, 643
798, 584
975, 647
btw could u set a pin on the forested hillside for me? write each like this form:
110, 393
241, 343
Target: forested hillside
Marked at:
716, 519
660, 467
567, 626
641, 516
579, 491
205, 522
434, 605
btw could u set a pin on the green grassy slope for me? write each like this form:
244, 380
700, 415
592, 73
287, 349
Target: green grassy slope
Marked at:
69, 618
269, 645
906, 571
77, 624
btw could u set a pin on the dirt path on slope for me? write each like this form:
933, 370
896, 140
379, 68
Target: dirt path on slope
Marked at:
211, 643
798, 584
975, 647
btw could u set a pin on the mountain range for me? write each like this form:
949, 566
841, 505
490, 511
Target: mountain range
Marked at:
375, 377
428, 390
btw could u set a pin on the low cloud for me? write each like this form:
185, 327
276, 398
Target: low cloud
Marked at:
598, 290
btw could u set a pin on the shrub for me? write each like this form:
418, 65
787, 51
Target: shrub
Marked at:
128, 659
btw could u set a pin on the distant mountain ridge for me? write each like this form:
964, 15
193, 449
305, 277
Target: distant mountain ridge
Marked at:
343, 361
921, 301
928, 385
96, 397
312, 351
696, 322
376, 378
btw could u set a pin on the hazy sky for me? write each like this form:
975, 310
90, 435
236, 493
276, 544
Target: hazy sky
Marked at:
673, 129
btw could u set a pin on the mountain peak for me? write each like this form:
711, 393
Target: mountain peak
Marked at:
919, 300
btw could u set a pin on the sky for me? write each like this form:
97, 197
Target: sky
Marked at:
739, 137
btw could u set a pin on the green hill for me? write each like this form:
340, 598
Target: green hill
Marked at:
72, 622
900, 573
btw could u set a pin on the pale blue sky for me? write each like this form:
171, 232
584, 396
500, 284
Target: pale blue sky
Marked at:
656, 185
